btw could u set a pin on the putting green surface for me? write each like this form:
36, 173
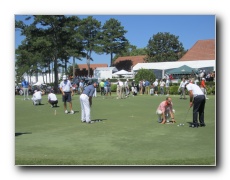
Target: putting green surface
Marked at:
128, 134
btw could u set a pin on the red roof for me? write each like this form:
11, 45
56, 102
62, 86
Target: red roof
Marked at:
92, 66
134, 59
202, 50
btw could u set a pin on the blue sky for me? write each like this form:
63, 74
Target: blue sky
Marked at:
189, 28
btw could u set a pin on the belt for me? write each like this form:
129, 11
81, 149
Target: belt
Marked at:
198, 95
66, 92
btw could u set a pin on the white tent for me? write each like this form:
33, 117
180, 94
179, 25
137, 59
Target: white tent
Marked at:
122, 72
37, 84
164, 66
171, 65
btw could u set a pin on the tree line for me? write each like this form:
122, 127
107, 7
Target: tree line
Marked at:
51, 40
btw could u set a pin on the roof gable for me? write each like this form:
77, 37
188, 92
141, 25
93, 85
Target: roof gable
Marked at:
92, 66
134, 59
201, 50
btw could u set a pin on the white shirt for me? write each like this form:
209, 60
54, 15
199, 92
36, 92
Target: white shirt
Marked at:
65, 85
167, 83
121, 83
182, 84
195, 89
37, 95
155, 83
162, 83
52, 97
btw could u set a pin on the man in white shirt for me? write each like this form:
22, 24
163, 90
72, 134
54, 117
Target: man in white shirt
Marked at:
37, 97
120, 89
162, 84
67, 93
52, 99
182, 88
155, 85
197, 100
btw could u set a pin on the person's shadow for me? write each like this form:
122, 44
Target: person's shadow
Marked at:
98, 120
21, 133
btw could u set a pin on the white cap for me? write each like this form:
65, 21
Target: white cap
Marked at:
203, 78
64, 77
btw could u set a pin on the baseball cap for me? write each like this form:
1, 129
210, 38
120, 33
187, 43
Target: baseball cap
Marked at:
64, 77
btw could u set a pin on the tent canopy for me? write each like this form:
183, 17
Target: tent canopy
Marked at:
181, 70
37, 84
122, 72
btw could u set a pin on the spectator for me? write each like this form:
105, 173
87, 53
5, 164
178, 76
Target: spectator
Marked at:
102, 84
120, 89
167, 86
25, 88
155, 85
162, 85
203, 87
37, 97
147, 89
67, 92
182, 88
81, 86
126, 88
52, 98
165, 111
109, 87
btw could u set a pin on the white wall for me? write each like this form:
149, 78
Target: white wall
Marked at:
103, 74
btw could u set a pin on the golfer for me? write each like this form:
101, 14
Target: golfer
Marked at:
197, 100
37, 97
165, 111
52, 99
86, 102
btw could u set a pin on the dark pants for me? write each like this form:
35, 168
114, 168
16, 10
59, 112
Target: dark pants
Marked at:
198, 107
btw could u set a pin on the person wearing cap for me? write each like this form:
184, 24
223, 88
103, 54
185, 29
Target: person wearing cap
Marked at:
165, 111
86, 102
203, 87
37, 97
67, 93
52, 98
197, 100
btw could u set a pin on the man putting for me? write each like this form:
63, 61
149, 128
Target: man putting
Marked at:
86, 102
165, 111
197, 100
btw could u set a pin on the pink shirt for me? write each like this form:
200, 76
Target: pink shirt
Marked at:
163, 106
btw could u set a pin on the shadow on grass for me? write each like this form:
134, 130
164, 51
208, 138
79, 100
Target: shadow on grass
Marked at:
21, 133
98, 120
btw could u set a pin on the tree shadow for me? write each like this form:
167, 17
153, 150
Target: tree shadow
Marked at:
21, 133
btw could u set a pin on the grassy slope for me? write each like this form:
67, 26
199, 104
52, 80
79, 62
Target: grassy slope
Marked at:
127, 135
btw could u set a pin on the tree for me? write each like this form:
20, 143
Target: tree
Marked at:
145, 74
112, 38
164, 47
89, 30
131, 50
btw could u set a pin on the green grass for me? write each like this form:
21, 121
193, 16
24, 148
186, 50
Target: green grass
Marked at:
127, 135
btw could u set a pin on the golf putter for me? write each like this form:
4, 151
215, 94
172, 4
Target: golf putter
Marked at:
182, 124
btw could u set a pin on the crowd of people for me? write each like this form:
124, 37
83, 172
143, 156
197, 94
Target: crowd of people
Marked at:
165, 112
